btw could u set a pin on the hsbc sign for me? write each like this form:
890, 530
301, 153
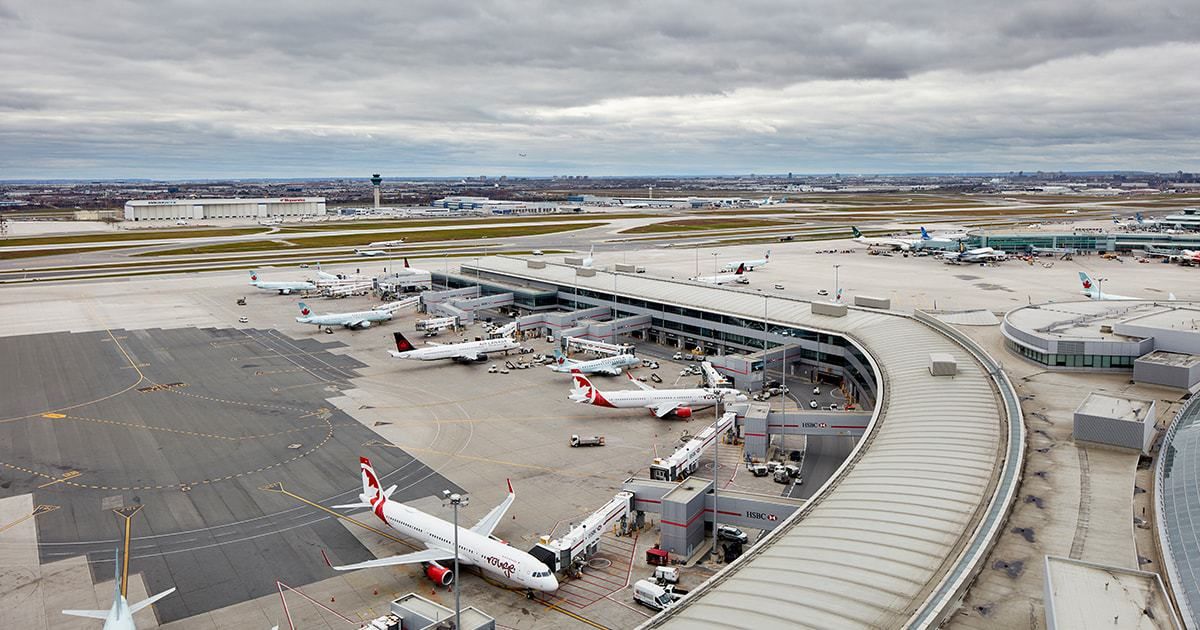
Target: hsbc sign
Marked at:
761, 516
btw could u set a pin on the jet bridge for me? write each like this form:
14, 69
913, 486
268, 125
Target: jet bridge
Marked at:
760, 423
583, 540
686, 459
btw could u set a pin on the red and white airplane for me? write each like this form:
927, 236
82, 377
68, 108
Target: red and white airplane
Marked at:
660, 402
476, 545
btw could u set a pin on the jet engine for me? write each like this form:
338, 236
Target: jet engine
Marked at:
683, 412
439, 574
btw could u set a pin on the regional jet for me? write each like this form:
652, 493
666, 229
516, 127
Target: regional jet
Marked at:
610, 366
370, 253
356, 320
476, 546
120, 616
749, 265
284, 288
465, 352
725, 278
660, 402
903, 244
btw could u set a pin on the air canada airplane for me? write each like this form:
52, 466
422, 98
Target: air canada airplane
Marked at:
660, 402
465, 352
357, 320
1092, 290
284, 288
902, 244
724, 278
120, 616
476, 545
749, 265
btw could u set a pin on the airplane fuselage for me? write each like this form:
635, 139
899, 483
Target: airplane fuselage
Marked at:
697, 398
606, 365
458, 350
284, 288
491, 556
348, 320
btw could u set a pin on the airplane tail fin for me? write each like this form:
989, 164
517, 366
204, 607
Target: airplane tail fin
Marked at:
740, 270
370, 482
924, 235
253, 276
402, 344
406, 263
1138, 216
856, 232
559, 357
134, 608
583, 383
1085, 280
304, 309
768, 256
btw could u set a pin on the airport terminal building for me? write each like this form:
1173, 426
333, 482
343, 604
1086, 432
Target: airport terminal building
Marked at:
1159, 341
280, 208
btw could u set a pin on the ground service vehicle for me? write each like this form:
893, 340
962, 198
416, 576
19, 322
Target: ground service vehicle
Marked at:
666, 575
595, 440
758, 470
649, 594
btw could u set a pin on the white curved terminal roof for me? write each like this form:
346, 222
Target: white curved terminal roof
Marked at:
873, 545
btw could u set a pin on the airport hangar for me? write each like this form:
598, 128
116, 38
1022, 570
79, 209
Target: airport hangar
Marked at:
201, 209
898, 533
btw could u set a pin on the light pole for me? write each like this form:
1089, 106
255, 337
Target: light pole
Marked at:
697, 252
456, 500
1100, 288
714, 262
837, 286
716, 467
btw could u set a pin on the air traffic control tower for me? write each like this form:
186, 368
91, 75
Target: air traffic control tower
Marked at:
376, 180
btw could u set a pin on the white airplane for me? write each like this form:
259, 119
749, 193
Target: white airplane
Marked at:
370, 252
1096, 294
591, 257
284, 288
981, 254
769, 201
395, 243
464, 352
660, 402
476, 545
411, 269
944, 236
604, 365
732, 265
120, 616
356, 320
903, 244
725, 278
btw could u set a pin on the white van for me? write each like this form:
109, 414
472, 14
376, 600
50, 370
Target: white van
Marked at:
666, 575
648, 593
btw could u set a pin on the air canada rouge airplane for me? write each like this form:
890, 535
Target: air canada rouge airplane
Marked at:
660, 402
476, 545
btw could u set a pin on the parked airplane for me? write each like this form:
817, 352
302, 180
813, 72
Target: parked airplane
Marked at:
903, 244
284, 288
1096, 294
476, 545
604, 365
944, 236
591, 257
748, 264
370, 252
660, 402
464, 352
356, 320
725, 278
981, 254
120, 616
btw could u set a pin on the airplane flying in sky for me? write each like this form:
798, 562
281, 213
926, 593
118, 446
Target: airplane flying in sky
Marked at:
120, 616
370, 252
732, 265
660, 402
464, 352
725, 278
476, 546
605, 365
903, 244
1092, 290
284, 288
357, 320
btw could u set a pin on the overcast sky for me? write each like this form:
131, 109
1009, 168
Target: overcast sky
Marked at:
216, 88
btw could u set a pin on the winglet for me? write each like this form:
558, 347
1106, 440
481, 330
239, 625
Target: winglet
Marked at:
327, 562
510, 490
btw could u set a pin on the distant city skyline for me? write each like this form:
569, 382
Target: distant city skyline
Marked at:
177, 90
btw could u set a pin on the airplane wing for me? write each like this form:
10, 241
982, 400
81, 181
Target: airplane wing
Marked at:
664, 409
429, 555
611, 371
356, 323
488, 523
640, 384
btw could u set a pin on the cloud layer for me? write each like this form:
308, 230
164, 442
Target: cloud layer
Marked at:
196, 89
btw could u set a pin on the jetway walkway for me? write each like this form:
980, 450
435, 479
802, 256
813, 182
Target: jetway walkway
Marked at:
760, 423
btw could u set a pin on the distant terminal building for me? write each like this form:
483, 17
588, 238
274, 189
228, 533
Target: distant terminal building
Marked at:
200, 209
1084, 240
485, 205
1159, 341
